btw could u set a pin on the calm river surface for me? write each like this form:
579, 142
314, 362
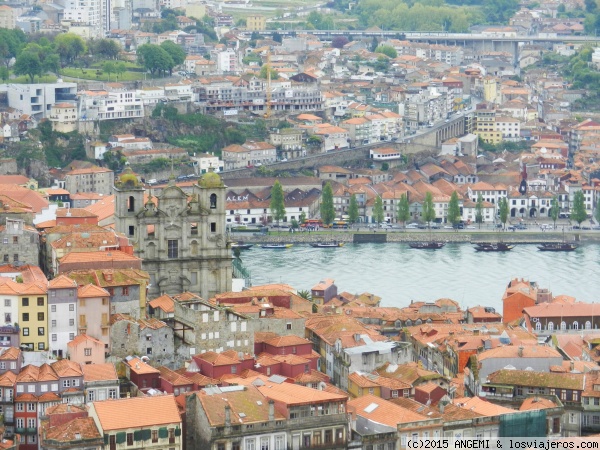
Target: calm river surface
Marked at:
399, 274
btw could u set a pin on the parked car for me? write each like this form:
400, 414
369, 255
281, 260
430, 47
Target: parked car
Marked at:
412, 226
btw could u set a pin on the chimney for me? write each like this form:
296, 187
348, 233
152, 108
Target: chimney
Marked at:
572, 365
520, 351
227, 415
442, 405
68, 407
271, 410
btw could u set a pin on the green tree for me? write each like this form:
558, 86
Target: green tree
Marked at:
597, 213
578, 212
387, 50
263, 72
479, 210
403, 213
11, 42
4, 74
51, 63
454, 215
353, 209
105, 48
277, 204
428, 209
155, 59
503, 211
327, 207
120, 68
28, 63
108, 67
378, 209
554, 210
69, 46
302, 217
175, 51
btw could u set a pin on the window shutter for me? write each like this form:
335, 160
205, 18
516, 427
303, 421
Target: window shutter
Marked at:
163, 433
137, 435
177, 431
121, 437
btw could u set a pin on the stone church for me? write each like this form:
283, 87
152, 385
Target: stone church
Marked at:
181, 239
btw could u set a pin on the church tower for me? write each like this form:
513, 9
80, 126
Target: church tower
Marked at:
129, 201
181, 238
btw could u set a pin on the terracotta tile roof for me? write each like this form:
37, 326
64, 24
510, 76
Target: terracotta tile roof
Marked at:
10, 353
535, 403
383, 411
417, 407
92, 291
264, 336
99, 372
61, 282
361, 380
247, 406
67, 368
574, 381
103, 208
24, 196
26, 398
293, 360
73, 212
314, 376
199, 379
552, 310
8, 379
514, 351
140, 367
410, 372
288, 393
164, 302
100, 257
49, 397
81, 338
173, 377
28, 374
46, 373
285, 341
454, 413
138, 412
216, 359
481, 406
74, 430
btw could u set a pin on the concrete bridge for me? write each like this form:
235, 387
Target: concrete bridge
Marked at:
479, 42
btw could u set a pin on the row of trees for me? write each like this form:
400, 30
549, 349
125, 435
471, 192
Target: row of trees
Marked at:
327, 209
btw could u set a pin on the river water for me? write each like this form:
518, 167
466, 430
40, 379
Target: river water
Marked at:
400, 274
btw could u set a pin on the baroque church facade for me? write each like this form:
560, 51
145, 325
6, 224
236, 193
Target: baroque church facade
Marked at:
181, 238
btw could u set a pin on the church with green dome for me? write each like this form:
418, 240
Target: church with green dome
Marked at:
181, 238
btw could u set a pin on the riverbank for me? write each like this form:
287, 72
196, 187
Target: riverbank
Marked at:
521, 237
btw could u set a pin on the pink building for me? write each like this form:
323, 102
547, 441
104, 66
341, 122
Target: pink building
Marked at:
94, 313
85, 349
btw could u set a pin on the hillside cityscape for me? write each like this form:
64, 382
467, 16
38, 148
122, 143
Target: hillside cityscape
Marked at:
258, 225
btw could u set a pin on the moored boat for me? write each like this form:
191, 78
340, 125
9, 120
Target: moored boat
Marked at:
241, 245
327, 244
427, 245
493, 247
277, 246
558, 247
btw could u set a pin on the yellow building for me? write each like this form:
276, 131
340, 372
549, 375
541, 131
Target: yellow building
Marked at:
256, 22
490, 90
33, 315
485, 126
359, 385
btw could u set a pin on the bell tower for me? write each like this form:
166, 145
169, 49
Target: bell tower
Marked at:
129, 201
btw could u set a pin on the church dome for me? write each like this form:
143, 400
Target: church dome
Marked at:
210, 180
128, 179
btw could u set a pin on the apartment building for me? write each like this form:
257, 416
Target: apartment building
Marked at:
64, 117
36, 100
62, 314
94, 179
110, 105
